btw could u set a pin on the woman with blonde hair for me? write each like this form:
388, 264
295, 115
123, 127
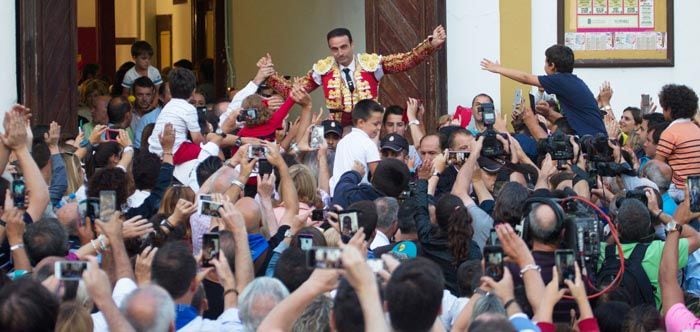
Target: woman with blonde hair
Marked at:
73, 316
175, 201
89, 91
306, 186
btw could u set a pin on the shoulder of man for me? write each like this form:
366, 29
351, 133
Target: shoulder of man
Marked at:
369, 61
324, 65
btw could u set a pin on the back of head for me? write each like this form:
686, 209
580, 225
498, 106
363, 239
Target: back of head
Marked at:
363, 110
347, 312
141, 47
610, 315
316, 316
659, 173
489, 304
291, 268
633, 220
45, 238
643, 317
387, 211
41, 154
26, 305
73, 316
414, 295
104, 152
207, 167
118, 109
454, 220
109, 179
562, 57
406, 217
184, 63
182, 83
258, 299
146, 167
469, 276
680, 100
544, 226
510, 203
653, 118
305, 183
174, 268
149, 308
366, 217
391, 177
491, 323
656, 130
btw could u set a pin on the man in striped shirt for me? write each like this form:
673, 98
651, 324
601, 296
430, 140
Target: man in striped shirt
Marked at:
679, 145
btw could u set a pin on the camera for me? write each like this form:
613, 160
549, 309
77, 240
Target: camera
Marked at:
596, 148
584, 232
638, 194
557, 145
491, 147
247, 115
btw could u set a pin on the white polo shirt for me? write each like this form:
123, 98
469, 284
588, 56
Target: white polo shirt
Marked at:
356, 145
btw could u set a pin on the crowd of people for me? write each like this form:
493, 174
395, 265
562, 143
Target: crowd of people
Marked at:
174, 210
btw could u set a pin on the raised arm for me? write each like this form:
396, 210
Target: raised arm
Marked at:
400, 62
412, 112
59, 179
15, 138
466, 173
245, 272
671, 292
513, 74
113, 230
97, 284
287, 189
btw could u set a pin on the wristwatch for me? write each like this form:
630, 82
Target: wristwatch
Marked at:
436, 173
238, 142
414, 122
288, 233
673, 226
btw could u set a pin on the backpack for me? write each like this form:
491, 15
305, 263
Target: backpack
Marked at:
635, 281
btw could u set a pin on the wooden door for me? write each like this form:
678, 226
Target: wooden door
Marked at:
47, 50
394, 26
208, 40
164, 41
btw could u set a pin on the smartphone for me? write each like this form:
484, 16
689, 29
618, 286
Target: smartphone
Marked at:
565, 259
457, 158
319, 214
257, 151
18, 191
264, 167
210, 248
306, 241
112, 134
693, 184
646, 104
316, 137
518, 97
493, 238
208, 207
532, 102
92, 208
348, 222
69, 270
108, 204
493, 265
324, 258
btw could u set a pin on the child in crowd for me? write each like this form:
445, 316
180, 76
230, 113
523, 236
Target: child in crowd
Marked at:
358, 145
141, 53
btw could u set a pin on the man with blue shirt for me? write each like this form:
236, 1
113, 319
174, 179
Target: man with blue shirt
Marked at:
143, 114
578, 104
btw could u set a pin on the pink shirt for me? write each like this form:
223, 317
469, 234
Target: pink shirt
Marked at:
679, 318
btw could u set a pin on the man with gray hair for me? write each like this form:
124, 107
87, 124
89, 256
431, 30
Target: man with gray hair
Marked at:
258, 299
660, 173
149, 309
387, 221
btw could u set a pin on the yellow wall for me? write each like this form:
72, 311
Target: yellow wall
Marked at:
292, 31
86, 13
182, 27
516, 49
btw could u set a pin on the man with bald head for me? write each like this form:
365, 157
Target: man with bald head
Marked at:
660, 173
149, 308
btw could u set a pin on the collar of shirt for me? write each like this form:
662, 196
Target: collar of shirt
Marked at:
351, 66
184, 314
682, 120
358, 130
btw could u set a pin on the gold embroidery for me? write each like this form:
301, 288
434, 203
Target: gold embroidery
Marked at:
322, 66
400, 62
369, 62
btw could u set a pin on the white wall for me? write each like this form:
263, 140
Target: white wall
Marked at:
8, 61
628, 83
473, 30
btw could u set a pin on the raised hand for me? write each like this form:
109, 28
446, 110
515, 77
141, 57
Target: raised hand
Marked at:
51, 138
491, 66
439, 36
359, 168
167, 138
144, 260
605, 93
15, 136
136, 227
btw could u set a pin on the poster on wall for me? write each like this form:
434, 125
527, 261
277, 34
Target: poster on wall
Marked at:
617, 33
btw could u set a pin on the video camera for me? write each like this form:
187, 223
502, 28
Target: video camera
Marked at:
558, 145
583, 233
491, 147
600, 157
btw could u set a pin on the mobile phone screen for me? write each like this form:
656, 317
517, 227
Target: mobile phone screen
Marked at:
318, 215
493, 265
532, 102
316, 138
306, 241
324, 258
348, 222
210, 248
69, 270
693, 184
108, 204
565, 260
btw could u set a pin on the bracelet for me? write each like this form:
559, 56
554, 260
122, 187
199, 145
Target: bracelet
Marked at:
480, 291
530, 267
508, 303
100, 240
659, 214
237, 183
165, 223
229, 291
17, 246
97, 250
128, 148
3, 223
